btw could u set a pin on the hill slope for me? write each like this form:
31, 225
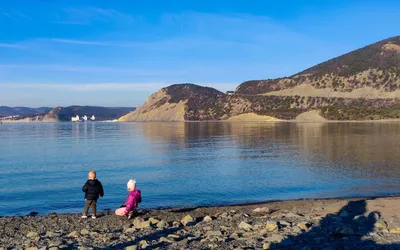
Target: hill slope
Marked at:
375, 69
22, 111
363, 84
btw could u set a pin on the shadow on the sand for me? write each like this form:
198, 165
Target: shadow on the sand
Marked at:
347, 229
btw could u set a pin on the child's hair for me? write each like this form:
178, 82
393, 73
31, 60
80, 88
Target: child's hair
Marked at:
131, 184
92, 172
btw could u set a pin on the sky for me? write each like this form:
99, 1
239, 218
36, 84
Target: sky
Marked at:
116, 53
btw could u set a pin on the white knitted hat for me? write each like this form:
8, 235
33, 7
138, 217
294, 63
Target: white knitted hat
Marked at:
131, 184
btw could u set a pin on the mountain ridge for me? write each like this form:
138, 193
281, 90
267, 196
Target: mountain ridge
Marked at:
362, 85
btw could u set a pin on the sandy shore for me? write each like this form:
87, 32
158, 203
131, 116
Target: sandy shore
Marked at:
355, 223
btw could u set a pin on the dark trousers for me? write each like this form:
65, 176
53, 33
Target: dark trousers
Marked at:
88, 204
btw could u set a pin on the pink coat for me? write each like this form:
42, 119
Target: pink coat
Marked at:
133, 200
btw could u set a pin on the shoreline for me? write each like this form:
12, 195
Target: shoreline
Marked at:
351, 222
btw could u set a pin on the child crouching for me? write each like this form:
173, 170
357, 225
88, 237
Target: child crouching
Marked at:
132, 201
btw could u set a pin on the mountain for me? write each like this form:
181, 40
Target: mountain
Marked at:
64, 114
369, 72
361, 85
22, 111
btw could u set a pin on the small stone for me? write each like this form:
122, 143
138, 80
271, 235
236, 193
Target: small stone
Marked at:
274, 238
214, 233
130, 230
52, 234
176, 224
284, 223
183, 242
173, 236
162, 224
380, 225
145, 224
73, 234
344, 214
303, 226
137, 222
131, 248
395, 230
271, 226
31, 248
32, 235
53, 248
153, 221
163, 239
292, 215
261, 210
266, 245
143, 244
245, 226
84, 231
207, 219
188, 220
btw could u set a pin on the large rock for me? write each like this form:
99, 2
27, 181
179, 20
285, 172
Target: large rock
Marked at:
271, 226
32, 235
131, 248
73, 234
188, 220
245, 226
207, 219
261, 210
162, 224
137, 222
153, 221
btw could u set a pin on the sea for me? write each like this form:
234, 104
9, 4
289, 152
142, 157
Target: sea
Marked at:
43, 166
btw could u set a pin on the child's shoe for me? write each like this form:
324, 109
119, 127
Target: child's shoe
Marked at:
94, 216
84, 216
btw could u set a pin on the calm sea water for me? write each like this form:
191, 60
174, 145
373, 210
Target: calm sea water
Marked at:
44, 165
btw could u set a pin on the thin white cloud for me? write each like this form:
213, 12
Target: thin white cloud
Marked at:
11, 45
83, 42
8, 15
89, 14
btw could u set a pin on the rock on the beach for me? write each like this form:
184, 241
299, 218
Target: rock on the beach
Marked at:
266, 245
214, 233
73, 234
188, 220
207, 219
130, 230
261, 210
245, 226
344, 214
131, 248
143, 244
274, 238
183, 242
32, 235
303, 226
137, 221
84, 232
271, 226
153, 221
31, 248
163, 239
162, 224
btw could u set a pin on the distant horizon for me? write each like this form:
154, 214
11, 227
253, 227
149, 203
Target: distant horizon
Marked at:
117, 54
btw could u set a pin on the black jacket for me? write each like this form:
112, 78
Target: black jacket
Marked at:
93, 189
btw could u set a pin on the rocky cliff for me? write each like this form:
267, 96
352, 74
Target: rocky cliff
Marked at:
361, 85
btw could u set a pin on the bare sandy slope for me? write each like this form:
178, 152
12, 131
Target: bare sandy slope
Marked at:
310, 91
310, 116
152, 111
249, 117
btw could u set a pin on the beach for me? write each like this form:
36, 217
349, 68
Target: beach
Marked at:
351, 223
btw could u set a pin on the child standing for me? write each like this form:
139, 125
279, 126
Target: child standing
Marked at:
93, 190
132, 201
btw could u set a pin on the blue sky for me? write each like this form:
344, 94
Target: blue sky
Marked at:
116, 53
